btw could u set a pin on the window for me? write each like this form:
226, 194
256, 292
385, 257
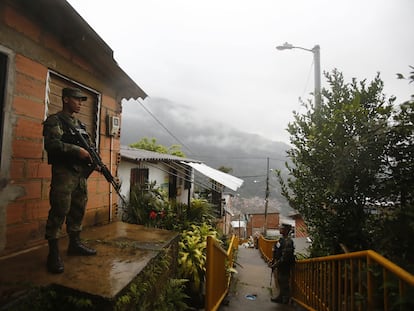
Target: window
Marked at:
89, 112
139, 177
172, 188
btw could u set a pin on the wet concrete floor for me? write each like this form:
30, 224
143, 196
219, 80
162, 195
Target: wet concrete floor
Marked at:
123, 250
251, 289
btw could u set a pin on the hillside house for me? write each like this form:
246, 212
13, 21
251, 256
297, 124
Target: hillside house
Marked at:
169, 172
227, 213
44, 47
175, 175
256, 221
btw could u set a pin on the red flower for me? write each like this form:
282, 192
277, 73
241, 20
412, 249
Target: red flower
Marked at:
152, 215
162, 214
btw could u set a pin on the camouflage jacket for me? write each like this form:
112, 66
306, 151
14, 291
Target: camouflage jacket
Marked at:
61, 143
283, 252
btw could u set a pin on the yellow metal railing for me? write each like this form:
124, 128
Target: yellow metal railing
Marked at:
266, 248
354, 281
217, 274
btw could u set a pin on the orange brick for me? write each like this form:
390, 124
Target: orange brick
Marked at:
17, 169
116, 145
37, 209
29, 87
104, 144
30, 68
53, 43
38, 169
104, 156
82, 63
101, 216
97, 200
32, 189
19, 22
27, 149
92, 185
110, 103
45, 188
15, 213
27, 128
29, 107
20, 235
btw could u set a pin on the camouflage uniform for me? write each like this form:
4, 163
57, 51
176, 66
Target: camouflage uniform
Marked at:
68, 190
283, 261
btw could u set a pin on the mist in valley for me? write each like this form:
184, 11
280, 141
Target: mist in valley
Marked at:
215, 144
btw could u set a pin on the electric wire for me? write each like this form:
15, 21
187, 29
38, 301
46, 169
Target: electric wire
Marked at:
187, 174
187, 170
164, 127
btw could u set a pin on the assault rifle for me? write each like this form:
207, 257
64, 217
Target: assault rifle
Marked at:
96, 159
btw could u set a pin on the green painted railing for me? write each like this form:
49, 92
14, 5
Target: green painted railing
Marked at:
218, 275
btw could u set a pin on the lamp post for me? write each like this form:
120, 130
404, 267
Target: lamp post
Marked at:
317, 60
266, 197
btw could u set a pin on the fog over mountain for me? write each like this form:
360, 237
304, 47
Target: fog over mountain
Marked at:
215, 144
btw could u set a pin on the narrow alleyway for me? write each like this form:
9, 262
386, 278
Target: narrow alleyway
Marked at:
251, 289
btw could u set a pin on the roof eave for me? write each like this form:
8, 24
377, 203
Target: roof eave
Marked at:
76, 34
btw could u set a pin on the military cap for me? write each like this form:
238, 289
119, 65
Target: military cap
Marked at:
73, 92
286, 226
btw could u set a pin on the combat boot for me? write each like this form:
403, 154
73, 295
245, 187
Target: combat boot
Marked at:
54, 262
76, 248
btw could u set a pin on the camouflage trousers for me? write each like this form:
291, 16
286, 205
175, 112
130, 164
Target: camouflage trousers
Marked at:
68, 197
283, 277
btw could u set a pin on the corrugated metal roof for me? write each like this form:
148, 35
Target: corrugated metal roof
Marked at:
134, 154
225, 179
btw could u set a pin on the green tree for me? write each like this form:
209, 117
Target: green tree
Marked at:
225, 169
393, 226
151, 145
338, 156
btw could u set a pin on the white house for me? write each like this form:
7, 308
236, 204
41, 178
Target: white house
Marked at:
172, 173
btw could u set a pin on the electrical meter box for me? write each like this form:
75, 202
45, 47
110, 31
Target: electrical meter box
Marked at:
112, 123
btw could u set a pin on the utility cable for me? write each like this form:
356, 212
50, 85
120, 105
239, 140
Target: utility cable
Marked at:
164, 127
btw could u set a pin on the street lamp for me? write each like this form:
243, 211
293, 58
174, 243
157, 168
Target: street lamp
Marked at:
266, 197
317, 60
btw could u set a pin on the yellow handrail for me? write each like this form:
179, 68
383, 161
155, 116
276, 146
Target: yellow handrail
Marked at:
266, 248
354, 281
217, 275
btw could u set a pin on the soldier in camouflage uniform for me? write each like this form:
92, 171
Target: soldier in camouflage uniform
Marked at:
71, 165
283, 261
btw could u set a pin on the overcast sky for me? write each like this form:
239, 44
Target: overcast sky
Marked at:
216, 60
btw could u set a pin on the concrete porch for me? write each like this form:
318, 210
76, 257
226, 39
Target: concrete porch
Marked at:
124, 250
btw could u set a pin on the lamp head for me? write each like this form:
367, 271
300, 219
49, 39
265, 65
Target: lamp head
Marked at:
285, 46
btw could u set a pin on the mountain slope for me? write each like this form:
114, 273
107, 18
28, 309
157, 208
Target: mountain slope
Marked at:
215, 144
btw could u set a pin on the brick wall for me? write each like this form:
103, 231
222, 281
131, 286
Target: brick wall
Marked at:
36, 51
301, 230
258, 221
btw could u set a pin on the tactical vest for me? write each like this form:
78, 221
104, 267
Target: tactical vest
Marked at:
69, 137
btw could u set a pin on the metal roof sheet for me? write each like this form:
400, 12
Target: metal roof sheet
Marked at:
225, 179
135, 154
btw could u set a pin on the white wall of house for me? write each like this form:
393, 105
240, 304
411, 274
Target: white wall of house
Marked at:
157, 172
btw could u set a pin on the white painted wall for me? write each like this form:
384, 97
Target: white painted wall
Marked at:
157, 172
